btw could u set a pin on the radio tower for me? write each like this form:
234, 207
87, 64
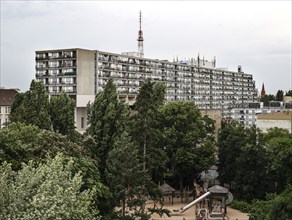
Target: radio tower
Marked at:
140, 36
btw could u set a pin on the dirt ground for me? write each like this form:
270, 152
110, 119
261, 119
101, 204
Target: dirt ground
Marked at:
190, 213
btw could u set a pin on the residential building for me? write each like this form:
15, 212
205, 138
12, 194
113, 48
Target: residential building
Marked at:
277, 119
249, 116
83, 73
6, 100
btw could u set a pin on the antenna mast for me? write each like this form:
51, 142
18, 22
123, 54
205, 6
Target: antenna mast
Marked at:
140, 36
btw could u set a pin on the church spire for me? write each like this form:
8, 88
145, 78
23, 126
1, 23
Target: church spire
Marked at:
263, 92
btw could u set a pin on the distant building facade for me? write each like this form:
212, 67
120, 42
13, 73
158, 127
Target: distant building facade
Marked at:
277, 119
249, 116
6, 100
83, 73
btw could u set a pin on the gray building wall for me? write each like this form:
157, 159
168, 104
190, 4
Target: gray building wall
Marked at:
86, 72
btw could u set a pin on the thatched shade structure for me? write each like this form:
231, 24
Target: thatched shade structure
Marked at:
167, 190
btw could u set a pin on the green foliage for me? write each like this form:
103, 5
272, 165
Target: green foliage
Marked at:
279, 143
146, 129
124, 171
107, 119
261, 165
279, 95
241, 206
36, 106
247, 170
45, 191
275, 207
188, 139
253, 166
289, 93
21, 143
266, 99
62, 114
17, 111
129, 182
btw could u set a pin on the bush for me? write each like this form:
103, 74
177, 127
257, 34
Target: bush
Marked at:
241, 205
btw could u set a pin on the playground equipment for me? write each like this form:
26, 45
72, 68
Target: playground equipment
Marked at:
183, 209
212, 204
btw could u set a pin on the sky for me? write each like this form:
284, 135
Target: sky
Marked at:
253, 34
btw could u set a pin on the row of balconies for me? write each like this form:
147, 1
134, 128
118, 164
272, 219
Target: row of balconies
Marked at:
57, 89
47, 74
178, 74
56, 55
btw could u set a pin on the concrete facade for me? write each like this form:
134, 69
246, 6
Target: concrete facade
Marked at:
83, 73
278, 119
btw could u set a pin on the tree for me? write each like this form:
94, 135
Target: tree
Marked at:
279, 143
244, 162
46, 191
266, 99
107, 118
289, 93
125, 174
253, 179
17, 114
129, 182
21, 143
279, 95
231, 139
274, 207
145, 121
62, 114
188, 138
32, 107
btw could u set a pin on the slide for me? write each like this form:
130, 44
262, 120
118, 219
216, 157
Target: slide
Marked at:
183, 209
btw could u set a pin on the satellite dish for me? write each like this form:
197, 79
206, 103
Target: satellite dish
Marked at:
229, 198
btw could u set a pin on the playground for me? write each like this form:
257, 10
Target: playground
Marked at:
207, 204
190, 214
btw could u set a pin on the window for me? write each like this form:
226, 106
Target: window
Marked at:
82, 122
7, 110
0, 110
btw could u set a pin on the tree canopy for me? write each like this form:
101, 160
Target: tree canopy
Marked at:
32, 107
254, 163
47, 190
146, 129
188, 139
62, 113
107, 118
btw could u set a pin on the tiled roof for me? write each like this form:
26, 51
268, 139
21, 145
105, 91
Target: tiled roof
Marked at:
7, 96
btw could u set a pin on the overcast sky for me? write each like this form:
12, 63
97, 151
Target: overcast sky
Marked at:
253, 34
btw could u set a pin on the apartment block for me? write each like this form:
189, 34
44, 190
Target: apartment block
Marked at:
6, 100
83, 73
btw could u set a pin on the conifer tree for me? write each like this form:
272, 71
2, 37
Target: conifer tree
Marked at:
32, 108
107, 117
62, 113
125, 174
146, 128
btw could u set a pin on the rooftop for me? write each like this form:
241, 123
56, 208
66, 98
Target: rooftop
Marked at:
276, 116
7, 96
